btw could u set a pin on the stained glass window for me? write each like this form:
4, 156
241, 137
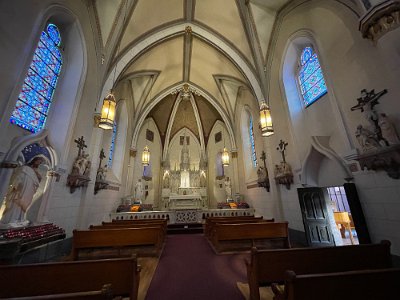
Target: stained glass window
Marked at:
112, 146
253, 146
34, 100
311, 78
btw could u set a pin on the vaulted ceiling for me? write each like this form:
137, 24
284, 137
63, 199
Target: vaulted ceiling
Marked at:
216, 47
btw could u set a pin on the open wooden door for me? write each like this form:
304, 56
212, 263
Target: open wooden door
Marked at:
315, 217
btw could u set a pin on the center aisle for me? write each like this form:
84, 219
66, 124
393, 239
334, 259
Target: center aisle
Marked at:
189, 269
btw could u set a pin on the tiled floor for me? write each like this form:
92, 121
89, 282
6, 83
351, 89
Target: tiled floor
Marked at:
347, 241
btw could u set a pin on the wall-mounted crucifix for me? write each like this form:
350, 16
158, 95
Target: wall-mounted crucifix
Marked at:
80, 144
262, 172
281, 148
283, 171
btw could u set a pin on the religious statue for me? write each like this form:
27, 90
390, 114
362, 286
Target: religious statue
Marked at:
166, 181
80, 172
381, 131
81, 165
388, 130
228, 188
366, 138
261, 174
203, 179
23, 186
139, 190
101, 173
283, 172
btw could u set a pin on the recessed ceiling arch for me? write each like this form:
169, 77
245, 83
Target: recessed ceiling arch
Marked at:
172, 89
124, 60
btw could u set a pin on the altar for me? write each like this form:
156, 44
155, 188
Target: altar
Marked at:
192, 201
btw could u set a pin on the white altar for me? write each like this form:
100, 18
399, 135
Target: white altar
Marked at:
192, 201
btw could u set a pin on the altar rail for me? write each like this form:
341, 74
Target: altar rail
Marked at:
182, 216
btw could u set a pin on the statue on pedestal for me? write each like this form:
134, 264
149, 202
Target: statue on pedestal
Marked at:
139, 191
23, 185
228, 188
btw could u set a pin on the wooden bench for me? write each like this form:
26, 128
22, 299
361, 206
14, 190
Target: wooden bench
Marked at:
269, 266
352, 285
116, 238
251, 231
104, 293
111, 225
211, 233
210, 222
70, 277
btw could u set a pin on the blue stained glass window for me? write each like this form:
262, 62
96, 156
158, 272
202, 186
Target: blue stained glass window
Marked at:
34, 100
311, 78
112, 146
253, 146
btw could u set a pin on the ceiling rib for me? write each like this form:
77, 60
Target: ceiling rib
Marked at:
248, 25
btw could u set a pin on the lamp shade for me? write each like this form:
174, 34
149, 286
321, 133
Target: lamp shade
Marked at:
108, 112
146, 156
225, 158
266, 120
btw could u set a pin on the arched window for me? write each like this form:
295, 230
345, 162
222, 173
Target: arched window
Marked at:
112, 146
34, 101
311, 78
252, 144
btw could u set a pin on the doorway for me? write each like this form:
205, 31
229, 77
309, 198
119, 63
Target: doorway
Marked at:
342, 214
333, 216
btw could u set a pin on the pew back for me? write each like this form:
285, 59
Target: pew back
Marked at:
70, 277
269, 266
251, 231
210, 223
114, 238
353, 285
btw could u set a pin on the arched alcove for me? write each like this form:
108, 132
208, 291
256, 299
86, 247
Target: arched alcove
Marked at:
323, 166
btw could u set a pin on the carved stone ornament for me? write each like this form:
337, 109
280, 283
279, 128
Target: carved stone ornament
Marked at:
79, 176
380, 20
283, 172
386, 158
262, 174
379, 141
101, 183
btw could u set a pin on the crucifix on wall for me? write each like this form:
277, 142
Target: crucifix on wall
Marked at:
80, 144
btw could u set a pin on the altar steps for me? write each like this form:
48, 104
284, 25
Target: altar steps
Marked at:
184, 228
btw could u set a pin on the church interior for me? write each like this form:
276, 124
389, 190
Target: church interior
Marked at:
276, 117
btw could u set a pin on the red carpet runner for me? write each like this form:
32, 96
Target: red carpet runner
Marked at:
189, 270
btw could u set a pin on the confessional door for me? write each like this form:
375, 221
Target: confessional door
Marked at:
315, 217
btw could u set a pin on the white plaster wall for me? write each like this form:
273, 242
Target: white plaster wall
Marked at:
216, 188
155, 160
350, 63
71, 114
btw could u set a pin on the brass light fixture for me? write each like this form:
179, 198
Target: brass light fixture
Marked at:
146, 156
266, 120
109, 104
225, 157
108, 112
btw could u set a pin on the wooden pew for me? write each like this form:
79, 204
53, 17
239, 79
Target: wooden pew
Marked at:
70, 277
352, 285
104, 293
111, 225
116, 238
210, 222
138, 221
212, 225
161, 226
269, 266
251, 231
